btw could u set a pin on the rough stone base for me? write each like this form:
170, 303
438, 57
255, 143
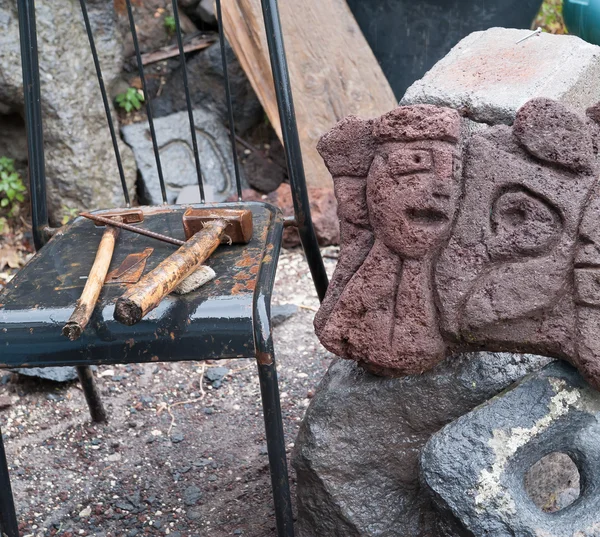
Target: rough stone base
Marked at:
357, 453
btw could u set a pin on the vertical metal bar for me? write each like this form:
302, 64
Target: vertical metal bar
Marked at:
236, 164
92, 395
109, 118
33, 120
8, 517
269, 390
188, 100
138, 56
291, 142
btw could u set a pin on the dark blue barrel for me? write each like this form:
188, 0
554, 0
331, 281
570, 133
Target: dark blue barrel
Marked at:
582, 18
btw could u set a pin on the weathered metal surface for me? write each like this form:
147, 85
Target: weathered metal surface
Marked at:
213, 322
101, 220
127, 216
131, 269
239, 223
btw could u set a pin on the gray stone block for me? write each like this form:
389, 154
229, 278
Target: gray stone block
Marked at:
476, 466
177, 158
488, 76
357, 453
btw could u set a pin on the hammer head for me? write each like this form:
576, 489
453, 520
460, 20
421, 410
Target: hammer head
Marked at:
127, 216
239, 223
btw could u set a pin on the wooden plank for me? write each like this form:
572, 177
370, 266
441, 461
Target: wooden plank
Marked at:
332, 68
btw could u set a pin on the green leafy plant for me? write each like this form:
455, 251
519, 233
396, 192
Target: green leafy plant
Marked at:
170, 25
130, 100
12, 189
550, 17
68, 214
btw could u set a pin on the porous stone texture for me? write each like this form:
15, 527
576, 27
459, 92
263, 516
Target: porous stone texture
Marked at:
81, 168
476, 465
177, 158
323, 211
487, 76
357, 453
553, 482
457, 238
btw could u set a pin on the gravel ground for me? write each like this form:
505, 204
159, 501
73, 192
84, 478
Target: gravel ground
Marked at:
182, 455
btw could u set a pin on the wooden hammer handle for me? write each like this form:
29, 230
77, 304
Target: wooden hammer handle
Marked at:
87, 302
145, 295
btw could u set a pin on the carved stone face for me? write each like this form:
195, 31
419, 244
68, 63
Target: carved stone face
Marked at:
505, 221
412, 195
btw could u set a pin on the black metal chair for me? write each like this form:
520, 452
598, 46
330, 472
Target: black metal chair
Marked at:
220, 320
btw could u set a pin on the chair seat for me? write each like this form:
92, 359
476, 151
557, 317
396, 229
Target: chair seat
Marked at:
213, 322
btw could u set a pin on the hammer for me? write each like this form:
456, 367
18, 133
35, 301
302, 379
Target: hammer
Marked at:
87, 302
205, 229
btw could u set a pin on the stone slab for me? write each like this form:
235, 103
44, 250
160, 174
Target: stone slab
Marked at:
177, 158
476, 465
488, 76
357, 452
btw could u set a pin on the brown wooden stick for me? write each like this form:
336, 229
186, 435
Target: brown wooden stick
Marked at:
197, 43
145, 295
87, 302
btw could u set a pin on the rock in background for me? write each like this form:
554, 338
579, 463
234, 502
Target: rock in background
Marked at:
205, 77
81, 168
323, 207
357, 453
177, 158
487, 76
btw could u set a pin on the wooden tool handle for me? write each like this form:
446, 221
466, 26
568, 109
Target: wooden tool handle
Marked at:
145, 295
87, 302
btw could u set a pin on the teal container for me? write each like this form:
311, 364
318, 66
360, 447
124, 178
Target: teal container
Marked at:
582, 18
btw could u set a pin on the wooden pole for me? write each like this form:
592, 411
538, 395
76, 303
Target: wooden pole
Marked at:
145, 295
87, 302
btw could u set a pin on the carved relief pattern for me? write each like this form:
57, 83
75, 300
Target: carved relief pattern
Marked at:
453, 241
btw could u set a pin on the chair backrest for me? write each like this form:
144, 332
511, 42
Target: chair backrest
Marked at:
34, 121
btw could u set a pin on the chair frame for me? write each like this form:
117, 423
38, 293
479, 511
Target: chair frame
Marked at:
261, 302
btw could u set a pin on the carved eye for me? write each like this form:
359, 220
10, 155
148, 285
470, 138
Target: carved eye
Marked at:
523, 223
407, 160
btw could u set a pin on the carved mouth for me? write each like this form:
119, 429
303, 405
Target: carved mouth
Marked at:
427, 216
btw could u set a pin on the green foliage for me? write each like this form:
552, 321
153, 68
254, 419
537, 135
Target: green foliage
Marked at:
130, 100
12, 189
68, 214
170, 25
550, 17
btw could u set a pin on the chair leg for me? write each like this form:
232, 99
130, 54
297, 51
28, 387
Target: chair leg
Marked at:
8, 517
92, 395
276, 447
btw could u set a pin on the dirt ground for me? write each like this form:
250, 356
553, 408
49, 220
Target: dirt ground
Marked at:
181, 456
